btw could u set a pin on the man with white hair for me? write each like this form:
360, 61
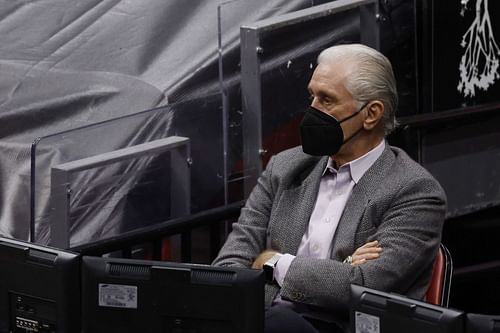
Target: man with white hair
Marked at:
343, 208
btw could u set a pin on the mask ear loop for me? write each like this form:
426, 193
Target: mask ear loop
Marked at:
355, 113
349, 117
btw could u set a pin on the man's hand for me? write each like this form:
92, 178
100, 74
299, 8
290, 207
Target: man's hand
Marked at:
262, 258
369, 251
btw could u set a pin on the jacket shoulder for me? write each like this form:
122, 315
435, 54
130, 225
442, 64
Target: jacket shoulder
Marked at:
411, 167
406, 170
293, 164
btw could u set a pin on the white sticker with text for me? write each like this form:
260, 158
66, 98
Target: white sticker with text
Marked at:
117, 296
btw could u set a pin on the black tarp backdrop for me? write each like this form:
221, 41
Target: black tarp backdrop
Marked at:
68, 64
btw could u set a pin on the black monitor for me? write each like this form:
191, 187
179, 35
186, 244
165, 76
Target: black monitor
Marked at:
482, 323
375, 311
39, 288
127, 295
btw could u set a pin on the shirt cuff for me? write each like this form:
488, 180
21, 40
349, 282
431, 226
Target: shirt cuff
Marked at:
281, 268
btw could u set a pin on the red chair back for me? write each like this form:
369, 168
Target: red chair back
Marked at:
438, 292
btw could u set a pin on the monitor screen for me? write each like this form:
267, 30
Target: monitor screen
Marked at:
374, 311
39, 288
127, 295
482, 323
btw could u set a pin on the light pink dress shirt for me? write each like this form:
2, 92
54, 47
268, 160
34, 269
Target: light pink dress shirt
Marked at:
334, 191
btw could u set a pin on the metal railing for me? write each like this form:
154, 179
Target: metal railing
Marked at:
155, 235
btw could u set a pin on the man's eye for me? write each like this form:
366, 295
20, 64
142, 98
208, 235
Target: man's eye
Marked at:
327, 101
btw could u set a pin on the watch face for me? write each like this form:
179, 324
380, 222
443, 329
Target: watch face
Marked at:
268, 272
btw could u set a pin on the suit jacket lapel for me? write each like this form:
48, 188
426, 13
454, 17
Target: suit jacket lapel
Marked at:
297, 204
343, 241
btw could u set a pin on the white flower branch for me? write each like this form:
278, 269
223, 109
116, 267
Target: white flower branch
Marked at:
480, 61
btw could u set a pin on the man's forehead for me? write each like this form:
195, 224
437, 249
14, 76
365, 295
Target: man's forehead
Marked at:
333, 70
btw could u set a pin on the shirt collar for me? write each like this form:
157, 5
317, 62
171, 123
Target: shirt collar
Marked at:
359, 166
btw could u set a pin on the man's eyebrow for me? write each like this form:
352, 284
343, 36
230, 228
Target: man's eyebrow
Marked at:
318, 92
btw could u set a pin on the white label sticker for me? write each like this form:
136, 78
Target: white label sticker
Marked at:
366, 323
117, 296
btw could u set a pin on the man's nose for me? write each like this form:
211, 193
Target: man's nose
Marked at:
315, 103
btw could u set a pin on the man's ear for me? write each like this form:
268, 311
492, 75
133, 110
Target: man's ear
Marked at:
375, 111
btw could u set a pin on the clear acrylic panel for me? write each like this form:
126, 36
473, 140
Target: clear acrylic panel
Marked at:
232, 15
120, 191
199, 120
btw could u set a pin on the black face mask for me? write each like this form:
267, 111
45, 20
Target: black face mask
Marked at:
321, 134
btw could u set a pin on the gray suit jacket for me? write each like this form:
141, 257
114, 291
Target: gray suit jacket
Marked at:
396, 202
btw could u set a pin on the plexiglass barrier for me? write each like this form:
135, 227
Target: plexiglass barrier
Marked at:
108, 194
137, 187
220, 140
231, 16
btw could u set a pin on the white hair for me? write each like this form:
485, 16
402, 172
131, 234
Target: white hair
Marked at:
371, 79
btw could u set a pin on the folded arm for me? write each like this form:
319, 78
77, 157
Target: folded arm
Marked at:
409, 234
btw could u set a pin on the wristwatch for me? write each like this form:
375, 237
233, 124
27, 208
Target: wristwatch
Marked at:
269, 266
